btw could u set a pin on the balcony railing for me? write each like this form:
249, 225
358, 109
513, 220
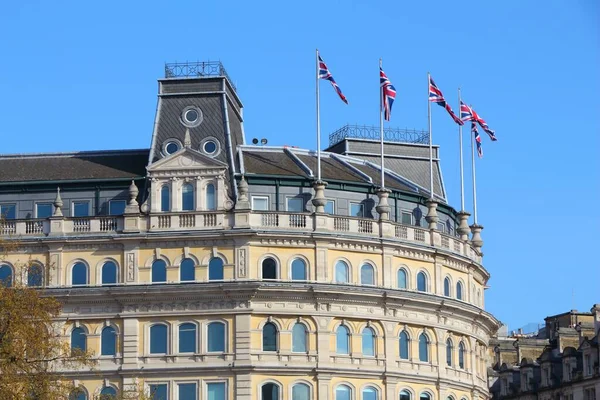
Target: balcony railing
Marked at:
258, 220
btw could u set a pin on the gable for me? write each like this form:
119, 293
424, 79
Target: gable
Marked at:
189, 160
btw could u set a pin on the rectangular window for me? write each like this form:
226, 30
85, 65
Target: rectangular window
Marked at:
187, 391
159, 391
330, 207
8, 211
294, 204
406, 218
43, 210
260, 203
441, 227
116, 207
216, 391
357, 210
81, 208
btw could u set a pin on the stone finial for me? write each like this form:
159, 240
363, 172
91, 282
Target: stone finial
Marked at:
383, 207
242, 203
58, 203
319, 200
133, 193
476, 238
432, 216
463, 225
187, 141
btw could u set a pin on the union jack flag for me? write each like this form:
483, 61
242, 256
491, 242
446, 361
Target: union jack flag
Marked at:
436, 96
477, 139
388, 94
468, 114
325, 74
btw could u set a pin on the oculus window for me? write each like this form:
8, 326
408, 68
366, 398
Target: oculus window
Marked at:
191, 116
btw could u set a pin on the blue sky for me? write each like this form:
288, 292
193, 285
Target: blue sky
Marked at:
80, 76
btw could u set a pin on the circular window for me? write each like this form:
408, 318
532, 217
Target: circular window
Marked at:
191, 116
210, 147
171, 146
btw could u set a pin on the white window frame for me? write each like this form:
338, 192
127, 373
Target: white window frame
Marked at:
261, 198
362, 207
412, 218
147, 384
9, 204
207, 381
176, 388
116, 200
225, 338
288, 198
89, 203
43, 203
334, 206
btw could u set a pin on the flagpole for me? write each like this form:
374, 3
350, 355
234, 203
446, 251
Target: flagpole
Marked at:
318, 118
460, 143
381, 128
474, 179
430, 139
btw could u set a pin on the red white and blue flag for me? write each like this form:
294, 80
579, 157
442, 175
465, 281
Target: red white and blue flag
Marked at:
477, 139
388, 94
325, 74
436, 96
468, 114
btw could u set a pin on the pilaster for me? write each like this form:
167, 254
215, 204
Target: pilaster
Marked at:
323, 386
131, 337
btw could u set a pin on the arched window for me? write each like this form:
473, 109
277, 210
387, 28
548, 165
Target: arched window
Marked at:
78, 340
298, 270
109, 273
79, 274
447, 287
108, 341
343, 392
187, 197
299, 338
78, 394
402, 279
159, 271
459, 290
215, 337
269, 391
211, 204
367, 274
403, 345
421, 282
424, 396
342, 340
300, 391
215, 269
187, 270
461, 355
423, 348
449, 350
187, 338
405, 395
269, 337
165, 198
342, 274
269, 268
35, 275
369, 393
108, 393
158, 339
368, 342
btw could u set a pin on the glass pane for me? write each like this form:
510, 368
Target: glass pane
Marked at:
216, 337
449, 353
79, 274
81, 208
210, 147
108, 341
299, 338
216, 391
369, 394
421, 282
108, 393
158, 339
187, 197
341, 272
401, 279
295, 205
116, 207
109, 273
165, 199
424, 396
43, 210
406, 218
300, 391
35, 274
269, 391
356, 210
459, 290
210, 197
404, 395
298, 270
446, 287
159, 271
8, 211
461, 355
404, 345
215, 269
423, 348
78, 339
269, 269
187, 338
260, 203
343, 392
330, 207
269, 337
368, 342
342, 340
187, 270
78, 394
187, 391
159, 391
367, 275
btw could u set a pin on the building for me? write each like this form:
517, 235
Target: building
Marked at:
207, 268
558, 363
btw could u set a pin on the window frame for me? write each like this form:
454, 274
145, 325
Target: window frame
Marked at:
373, 270
407, 344
225, 336
208, 278
30, 275
84, 333
166, 267
348, 340
348, 271
115, 201
195, 336
296, 198
291, 270
37, 213
333, 207
186, 196
87, 273
373, 337
206, 382
427, 349
277, 331
277, 269
406, 278
161, 195
74, 204
306, 337
167, 338
193, 266
186, 382
426, 289
447, 280
156, 383
362, 209
207, 199
260, 197
300, 383
3, 213
116, 335
411, 217
102, 272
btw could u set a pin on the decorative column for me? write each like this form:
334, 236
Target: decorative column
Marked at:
476, 238
432, 216
383, 208
319, 201
463, 225
57, 222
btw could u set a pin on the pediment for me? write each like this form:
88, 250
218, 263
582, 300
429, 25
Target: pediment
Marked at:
186, 159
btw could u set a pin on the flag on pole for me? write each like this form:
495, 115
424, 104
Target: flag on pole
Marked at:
477, 139
388, 93
468, 114
436, 96
325, 74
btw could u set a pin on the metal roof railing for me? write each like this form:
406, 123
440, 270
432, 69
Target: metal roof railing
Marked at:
198, 69
372, 133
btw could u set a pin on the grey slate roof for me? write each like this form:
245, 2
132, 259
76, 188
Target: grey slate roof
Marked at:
85, 165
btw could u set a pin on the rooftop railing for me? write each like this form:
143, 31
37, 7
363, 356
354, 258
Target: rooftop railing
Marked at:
198, 69
372, 133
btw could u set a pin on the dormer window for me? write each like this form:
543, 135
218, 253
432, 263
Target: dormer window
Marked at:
191, 116
210, 146
171, 147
